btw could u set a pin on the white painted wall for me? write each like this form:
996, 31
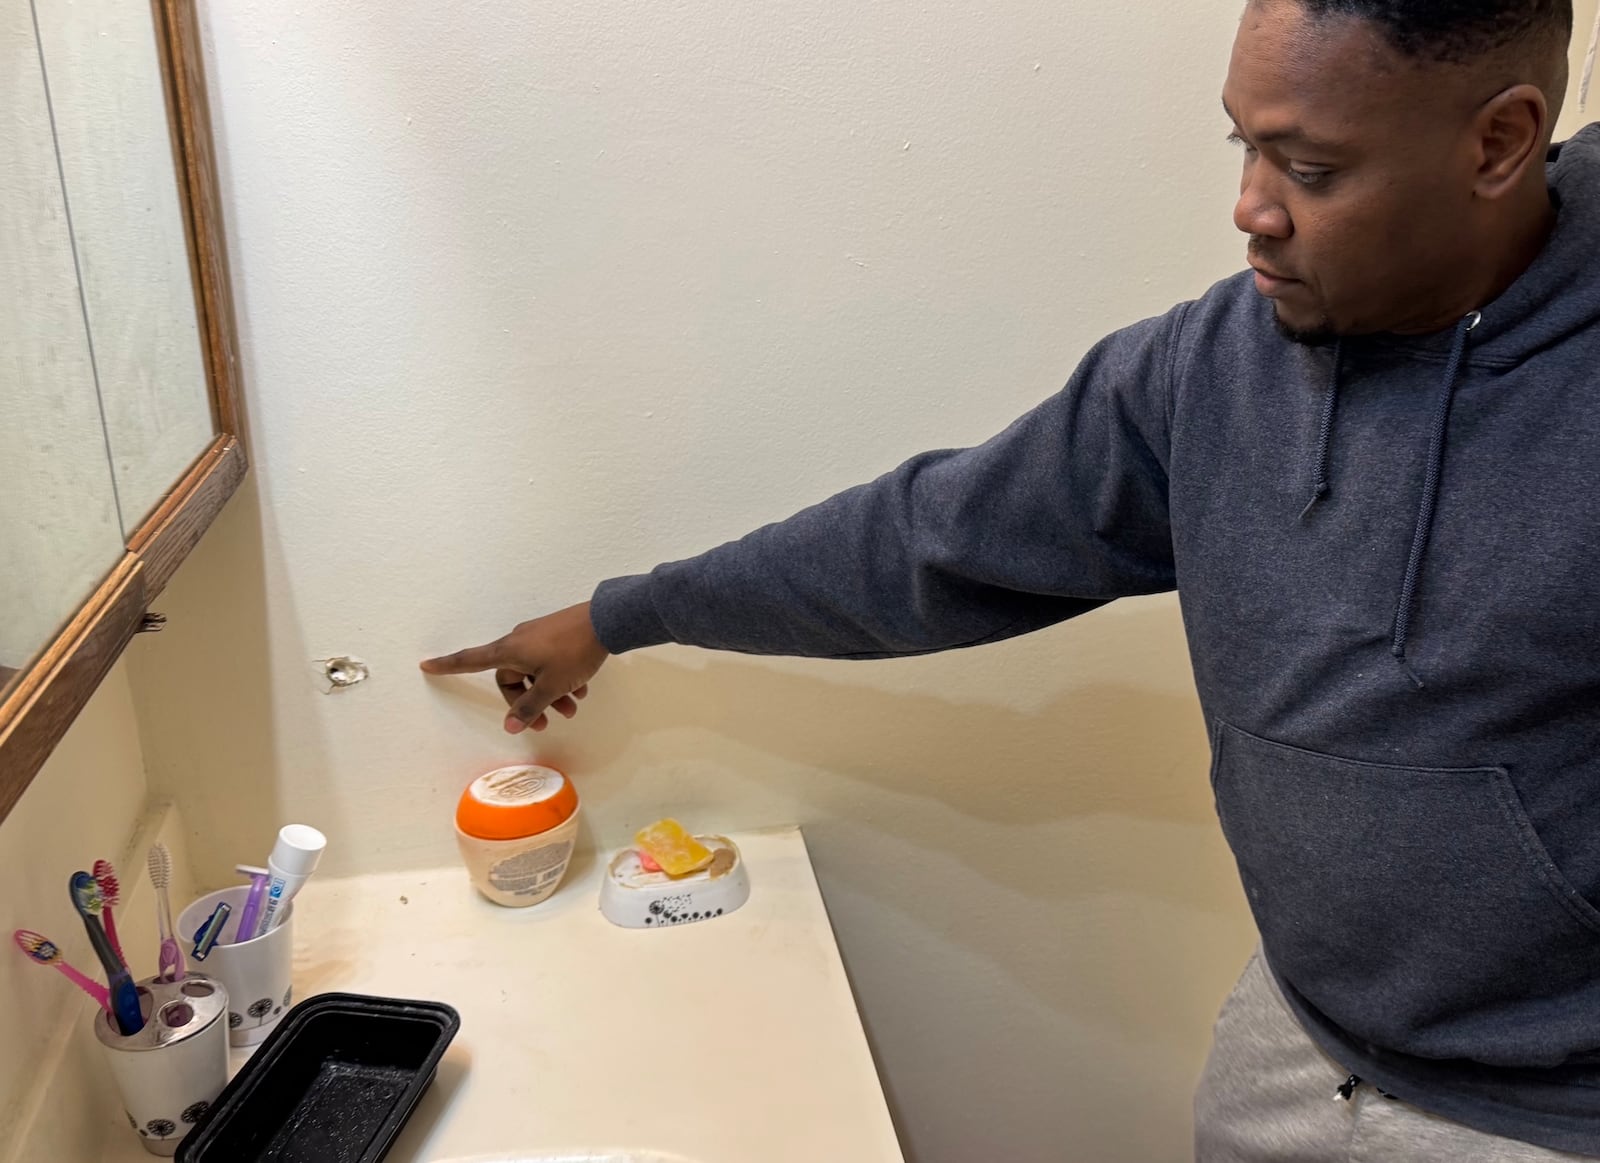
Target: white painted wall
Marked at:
1586, 19
530, 295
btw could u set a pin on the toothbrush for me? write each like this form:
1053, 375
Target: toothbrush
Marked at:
45, 952
124, 999
160, 863
106, 877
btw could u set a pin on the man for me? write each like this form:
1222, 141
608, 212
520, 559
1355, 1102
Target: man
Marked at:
1369, 469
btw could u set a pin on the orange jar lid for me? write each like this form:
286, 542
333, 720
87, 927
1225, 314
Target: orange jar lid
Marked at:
511, 803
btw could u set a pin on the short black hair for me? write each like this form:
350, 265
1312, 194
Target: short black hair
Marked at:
1456, 31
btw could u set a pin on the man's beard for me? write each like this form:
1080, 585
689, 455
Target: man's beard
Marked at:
1320, 335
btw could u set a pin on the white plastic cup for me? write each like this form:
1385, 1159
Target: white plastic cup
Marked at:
170, 1072
256, 973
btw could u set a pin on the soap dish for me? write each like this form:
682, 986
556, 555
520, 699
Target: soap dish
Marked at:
636, 899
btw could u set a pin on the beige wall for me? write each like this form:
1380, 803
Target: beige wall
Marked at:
1586, 14
531, 295
84, 805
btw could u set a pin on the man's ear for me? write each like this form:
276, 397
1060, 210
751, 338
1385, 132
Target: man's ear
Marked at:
1509, 134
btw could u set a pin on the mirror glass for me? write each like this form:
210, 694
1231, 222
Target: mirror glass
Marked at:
59, 527
104, 392
103, 69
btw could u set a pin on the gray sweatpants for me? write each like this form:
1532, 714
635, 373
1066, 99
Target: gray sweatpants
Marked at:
1267, 1096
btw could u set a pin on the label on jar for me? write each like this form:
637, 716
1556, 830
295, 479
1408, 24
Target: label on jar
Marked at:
531, 872
515, 787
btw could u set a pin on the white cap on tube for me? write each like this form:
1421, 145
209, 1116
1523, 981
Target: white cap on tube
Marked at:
298, 849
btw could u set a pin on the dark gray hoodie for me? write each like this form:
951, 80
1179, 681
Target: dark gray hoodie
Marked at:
1387, 553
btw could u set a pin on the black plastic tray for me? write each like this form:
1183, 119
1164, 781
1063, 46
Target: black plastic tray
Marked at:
334, 1083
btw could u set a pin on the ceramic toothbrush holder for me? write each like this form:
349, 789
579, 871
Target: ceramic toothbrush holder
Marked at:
170, 1072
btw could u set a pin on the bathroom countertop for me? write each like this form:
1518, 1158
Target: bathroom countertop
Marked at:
734, 1040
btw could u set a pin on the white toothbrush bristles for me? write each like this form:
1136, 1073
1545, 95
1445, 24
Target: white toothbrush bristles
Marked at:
160, 863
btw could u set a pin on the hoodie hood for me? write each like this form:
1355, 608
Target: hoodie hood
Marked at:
1560, 293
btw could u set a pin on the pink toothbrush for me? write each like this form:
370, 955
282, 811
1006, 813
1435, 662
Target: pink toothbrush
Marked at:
159, 862
44, 951
106, 877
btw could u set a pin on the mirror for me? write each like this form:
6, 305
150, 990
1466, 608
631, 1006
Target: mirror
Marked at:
59, 528
119, 423
103, 75
105, 393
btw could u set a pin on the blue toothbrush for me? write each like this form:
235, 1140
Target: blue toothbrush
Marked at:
89, 900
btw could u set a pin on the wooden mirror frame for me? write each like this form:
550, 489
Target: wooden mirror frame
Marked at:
45, 697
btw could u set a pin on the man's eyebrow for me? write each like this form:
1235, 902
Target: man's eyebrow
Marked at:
1287, 133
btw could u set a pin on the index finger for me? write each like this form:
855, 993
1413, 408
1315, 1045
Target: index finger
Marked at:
468, 661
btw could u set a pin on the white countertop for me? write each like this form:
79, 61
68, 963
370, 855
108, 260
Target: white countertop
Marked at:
728, 1041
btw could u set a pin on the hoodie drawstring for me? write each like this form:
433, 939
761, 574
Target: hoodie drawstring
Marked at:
1429, 501
1319, 482
1430, 495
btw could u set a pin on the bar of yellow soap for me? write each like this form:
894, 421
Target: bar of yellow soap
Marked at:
669, 845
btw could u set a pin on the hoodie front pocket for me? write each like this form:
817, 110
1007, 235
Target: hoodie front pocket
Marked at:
1415, 907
